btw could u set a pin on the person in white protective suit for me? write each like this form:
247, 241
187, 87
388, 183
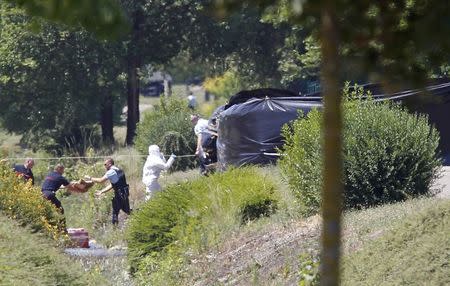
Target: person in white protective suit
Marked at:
154, 164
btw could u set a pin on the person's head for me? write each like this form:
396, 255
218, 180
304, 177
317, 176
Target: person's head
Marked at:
194, 118
59, 168
153, 150
29, 163
108, 163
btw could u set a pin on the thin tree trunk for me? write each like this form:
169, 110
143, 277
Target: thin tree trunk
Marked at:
106, 121
133, 64
332, 128
132, 99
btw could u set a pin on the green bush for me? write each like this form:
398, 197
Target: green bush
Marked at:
195, 215
389, 154
23, 202
169, 127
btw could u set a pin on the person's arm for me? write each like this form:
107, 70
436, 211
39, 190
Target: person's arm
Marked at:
104, 190
199, 144
97, 180
69, 185
170, 161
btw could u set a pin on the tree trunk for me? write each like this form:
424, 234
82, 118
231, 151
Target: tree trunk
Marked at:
106, 120
133, 64
332, 129
132, 98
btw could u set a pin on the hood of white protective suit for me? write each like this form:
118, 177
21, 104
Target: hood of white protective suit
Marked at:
154, 150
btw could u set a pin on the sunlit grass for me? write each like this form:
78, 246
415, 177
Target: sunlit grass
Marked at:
32, 259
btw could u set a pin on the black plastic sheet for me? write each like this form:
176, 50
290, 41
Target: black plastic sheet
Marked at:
249, 126
250, 131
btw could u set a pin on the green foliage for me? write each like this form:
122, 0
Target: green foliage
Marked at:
169, 127
23, 202
103, 17
302, 164
55, 82
195, 215
309, 270
394, 40
389, 154
223, 86
414, 252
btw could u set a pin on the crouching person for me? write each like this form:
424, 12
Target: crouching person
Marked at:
154, 164
119, 184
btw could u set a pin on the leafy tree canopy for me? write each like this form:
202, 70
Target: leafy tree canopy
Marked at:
104, 17
390, 39
53, 81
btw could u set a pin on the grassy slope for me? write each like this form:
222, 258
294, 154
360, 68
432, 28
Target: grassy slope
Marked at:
31, 259
275, 247
416, 252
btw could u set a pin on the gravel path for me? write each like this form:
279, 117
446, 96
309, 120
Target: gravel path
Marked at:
444, 183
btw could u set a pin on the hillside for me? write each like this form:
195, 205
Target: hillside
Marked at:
417, 252
32, 259
270, 254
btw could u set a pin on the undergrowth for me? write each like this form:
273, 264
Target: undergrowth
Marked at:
389, 155
190, 217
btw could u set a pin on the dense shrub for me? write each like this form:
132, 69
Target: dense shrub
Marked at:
389, 154
23, 202
195, 215
169, 127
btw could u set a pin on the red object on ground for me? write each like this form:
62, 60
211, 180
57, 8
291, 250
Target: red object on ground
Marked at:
79, 237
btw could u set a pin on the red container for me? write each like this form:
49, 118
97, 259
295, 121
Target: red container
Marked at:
79, 237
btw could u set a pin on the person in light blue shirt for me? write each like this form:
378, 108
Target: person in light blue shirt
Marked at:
119, 184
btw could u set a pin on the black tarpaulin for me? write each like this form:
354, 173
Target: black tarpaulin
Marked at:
249, 130
249, 126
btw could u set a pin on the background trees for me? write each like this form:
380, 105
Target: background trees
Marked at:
55, 82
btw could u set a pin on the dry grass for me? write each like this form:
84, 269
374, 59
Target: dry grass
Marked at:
9, 144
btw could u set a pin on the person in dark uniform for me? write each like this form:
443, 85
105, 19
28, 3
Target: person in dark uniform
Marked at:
121, 190
24, 170
53, 181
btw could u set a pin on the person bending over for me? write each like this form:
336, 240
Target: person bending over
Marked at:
52, 183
